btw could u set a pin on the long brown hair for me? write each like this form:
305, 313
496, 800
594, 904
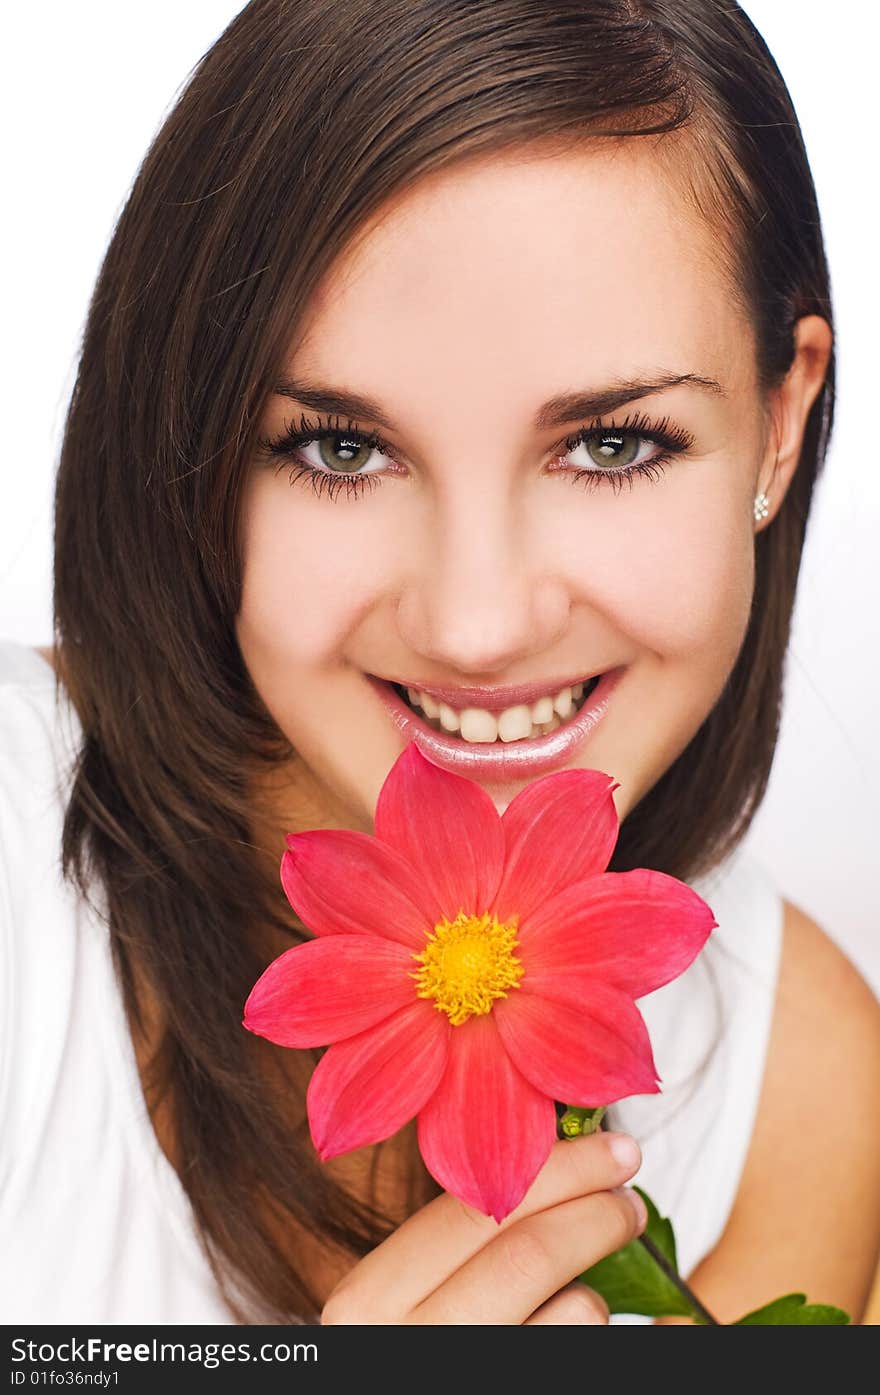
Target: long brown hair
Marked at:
297, 125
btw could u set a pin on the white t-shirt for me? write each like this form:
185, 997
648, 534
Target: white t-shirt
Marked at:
95, 1225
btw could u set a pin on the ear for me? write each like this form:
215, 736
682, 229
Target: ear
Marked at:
790, 407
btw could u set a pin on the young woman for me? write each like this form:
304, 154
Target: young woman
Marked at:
391, 280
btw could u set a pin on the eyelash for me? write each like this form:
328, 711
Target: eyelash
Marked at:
671, 439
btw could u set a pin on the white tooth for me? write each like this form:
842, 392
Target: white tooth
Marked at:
577, 691
430, 706
514, 723
542, 710
448, 718
414, 696
478, 725
562, 703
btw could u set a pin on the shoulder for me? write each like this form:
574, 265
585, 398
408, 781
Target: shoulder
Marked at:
818, 1122
27, 691
38, 950
37, 725
38, 740
49, 656
807, 1213
38, 737
824, 1055
827, 1022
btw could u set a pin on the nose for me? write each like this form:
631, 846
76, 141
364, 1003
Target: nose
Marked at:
484, 594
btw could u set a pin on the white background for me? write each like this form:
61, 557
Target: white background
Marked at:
85, 88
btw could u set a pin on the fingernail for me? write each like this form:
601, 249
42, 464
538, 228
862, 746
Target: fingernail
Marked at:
638, 1206
624, 1150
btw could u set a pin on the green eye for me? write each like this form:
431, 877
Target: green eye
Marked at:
344, 454
613, 447
612, 450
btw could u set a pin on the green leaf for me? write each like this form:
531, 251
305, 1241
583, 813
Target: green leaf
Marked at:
631, 1281
794, 1311
659, 1229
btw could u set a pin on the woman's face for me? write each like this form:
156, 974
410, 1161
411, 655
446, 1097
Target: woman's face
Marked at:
475, 556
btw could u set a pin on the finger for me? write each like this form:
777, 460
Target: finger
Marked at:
576, 1306
510, 1278
432, 1244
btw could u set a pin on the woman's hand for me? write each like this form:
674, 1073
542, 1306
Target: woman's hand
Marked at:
450, 1264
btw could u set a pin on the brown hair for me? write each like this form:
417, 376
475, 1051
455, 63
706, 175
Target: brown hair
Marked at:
298, 124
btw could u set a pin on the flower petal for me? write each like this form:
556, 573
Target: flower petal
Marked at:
636, 930
341, 882
366, 1088
447, 827
586, 1055
486, 1132
328, 989
559, 829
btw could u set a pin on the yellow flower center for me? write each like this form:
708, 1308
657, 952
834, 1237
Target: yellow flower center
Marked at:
467, 964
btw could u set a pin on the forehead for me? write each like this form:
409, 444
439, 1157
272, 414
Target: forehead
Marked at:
525, 274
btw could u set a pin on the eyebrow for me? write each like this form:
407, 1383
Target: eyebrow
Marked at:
567, 406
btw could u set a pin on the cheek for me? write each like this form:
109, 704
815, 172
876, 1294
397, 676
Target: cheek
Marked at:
672, 570
304, 587
678, 577
696, 594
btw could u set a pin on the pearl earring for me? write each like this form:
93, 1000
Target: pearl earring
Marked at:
761, 506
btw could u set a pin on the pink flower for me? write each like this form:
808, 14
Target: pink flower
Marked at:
471, 968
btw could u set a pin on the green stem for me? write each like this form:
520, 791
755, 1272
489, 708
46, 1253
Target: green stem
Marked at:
659, 1258
573, 1121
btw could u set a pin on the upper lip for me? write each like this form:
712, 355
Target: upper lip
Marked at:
495, 699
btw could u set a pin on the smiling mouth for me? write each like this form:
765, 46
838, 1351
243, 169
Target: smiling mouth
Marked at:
523, 722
